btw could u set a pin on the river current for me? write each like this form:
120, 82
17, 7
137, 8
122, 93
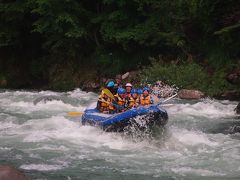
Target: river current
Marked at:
200, 140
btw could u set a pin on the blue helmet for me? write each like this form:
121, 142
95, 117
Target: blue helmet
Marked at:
121, 91
146, 89
134, 91
110, 84
139, 91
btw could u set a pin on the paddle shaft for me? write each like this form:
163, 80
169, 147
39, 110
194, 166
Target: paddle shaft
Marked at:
167, 99
75, 113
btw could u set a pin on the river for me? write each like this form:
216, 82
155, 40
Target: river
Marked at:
199, 141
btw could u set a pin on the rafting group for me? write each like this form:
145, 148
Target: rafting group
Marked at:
121, 97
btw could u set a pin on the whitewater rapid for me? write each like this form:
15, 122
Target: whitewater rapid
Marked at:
199, 141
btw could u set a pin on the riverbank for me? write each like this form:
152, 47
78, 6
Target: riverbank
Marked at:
219, 83
79, 44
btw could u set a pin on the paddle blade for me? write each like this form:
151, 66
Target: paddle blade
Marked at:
108, 93
124, 76
73, 114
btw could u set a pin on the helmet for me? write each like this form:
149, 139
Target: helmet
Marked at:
121, 91
110, 84
146, 89
139, 91
128, 85
134, 91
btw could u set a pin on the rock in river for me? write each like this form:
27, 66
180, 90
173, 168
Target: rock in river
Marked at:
190, 94
10, 173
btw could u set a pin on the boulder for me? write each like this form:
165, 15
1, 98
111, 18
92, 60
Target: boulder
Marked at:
234, 78
190, 94
237, 109
3, 82
10, 173
231, 95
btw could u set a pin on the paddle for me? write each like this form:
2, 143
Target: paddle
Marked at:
167, 105
109, 94
165, 100
114, 104
124, 76
73, 114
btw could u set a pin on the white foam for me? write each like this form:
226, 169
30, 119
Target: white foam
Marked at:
50, 105
7, 125
50, 148
86, 97
41, 167
197, 171
192, 138
207, 108
5, 148
60, 128
56, 141
37, 136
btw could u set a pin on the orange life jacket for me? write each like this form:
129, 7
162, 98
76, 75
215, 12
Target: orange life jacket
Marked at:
120, 101
145, 100
105, 104
133, 102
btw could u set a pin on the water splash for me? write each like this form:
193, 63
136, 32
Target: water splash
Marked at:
42, 138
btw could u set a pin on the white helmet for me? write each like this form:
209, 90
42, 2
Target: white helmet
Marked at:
128, 85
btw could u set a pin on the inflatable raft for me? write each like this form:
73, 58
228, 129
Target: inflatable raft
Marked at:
142, 116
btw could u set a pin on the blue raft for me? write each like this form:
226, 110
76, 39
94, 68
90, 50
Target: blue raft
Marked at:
149, 116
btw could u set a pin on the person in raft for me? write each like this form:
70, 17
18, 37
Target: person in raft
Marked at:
145, 98
128, 87
118, 81
105, 104
128, 95
111, 88
113, 85
120, 99
140, 92
134, 100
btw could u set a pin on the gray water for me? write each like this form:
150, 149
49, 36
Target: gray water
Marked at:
199, 142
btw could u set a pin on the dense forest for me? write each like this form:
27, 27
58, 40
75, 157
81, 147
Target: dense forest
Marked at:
59, 44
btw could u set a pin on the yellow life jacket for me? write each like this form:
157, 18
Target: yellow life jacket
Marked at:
145, 100
101, 95
133, 102
105, 104
120, 101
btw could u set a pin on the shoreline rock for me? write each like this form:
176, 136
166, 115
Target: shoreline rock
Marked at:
3, 82
10, 173
230, 95
237, 109
234, 77
190, 94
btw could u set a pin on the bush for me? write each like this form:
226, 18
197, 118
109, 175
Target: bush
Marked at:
187, 75
183, 76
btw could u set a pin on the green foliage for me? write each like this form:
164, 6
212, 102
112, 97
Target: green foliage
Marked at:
38, 34
183, 76
188, 75
218, 83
